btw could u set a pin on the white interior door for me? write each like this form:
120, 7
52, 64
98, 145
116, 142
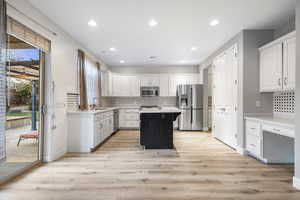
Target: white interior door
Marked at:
225, 93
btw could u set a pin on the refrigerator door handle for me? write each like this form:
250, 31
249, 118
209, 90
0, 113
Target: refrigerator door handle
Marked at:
192, 105
192, 115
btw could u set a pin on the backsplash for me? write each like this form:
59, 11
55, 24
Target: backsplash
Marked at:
139, 101
284, 102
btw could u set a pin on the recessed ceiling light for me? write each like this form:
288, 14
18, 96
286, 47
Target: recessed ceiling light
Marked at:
92, 23
194, 49
153, 23
183, 61
152, 57
122, 61
214, 22
112, 49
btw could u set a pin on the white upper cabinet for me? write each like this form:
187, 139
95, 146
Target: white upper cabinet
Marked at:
177, 79
128, 85
106, 83
289, 65
150, 81
164, 85
277, 64
271, 68
125, 85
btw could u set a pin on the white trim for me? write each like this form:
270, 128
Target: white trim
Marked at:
205, 129
241, 151
59, 154
263, 160
296, 183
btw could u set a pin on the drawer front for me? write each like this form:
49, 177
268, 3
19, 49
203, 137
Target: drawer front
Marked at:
253, 128
98, 117
253, 144
133, 124
281, 130
131, 117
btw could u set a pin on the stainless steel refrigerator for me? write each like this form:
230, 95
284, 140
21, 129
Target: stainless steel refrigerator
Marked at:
190, 101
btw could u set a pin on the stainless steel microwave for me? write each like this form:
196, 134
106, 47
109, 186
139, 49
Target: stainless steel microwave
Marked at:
149, 91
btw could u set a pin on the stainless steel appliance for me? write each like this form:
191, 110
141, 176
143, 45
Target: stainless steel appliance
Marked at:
149, 91
190, 101
116, 120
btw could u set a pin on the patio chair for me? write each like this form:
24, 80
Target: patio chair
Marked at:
32, 135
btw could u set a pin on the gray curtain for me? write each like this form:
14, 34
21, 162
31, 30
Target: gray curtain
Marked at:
2, 77
83, 105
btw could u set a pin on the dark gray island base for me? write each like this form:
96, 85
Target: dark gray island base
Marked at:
157, 130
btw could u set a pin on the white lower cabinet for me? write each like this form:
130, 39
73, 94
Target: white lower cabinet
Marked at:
175, 123
253, 144
253, 138
86, 130
129, 118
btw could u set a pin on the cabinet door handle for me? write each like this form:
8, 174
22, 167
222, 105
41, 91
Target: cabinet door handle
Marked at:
253, 145
285, 81
279, 81
275, 129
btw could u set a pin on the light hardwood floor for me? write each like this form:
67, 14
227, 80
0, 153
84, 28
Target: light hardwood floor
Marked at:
200, 168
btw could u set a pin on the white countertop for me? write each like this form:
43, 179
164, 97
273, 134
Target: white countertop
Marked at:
289, 122
93, 111
163, 110
107, 109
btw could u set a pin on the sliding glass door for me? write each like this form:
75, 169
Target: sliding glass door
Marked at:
25, 97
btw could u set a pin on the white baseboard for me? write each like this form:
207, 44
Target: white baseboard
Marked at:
241, 150
296, 183
205, 129
59, 154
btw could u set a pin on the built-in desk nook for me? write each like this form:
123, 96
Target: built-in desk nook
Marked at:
270, 138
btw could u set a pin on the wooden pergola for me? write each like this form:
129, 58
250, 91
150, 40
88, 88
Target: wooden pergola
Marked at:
28, 70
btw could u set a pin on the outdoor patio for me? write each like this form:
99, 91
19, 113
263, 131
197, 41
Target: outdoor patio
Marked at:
27, 151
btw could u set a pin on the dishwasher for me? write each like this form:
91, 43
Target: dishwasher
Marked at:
116, 120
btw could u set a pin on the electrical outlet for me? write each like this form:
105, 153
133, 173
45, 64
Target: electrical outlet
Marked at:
258, 104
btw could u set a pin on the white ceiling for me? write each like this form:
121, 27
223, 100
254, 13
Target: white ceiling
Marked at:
123, 24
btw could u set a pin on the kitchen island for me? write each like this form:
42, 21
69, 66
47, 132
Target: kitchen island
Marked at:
156, 127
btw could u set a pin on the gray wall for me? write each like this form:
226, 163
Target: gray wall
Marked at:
154, 69
297, 114
253, 39
286, 28
237, 39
